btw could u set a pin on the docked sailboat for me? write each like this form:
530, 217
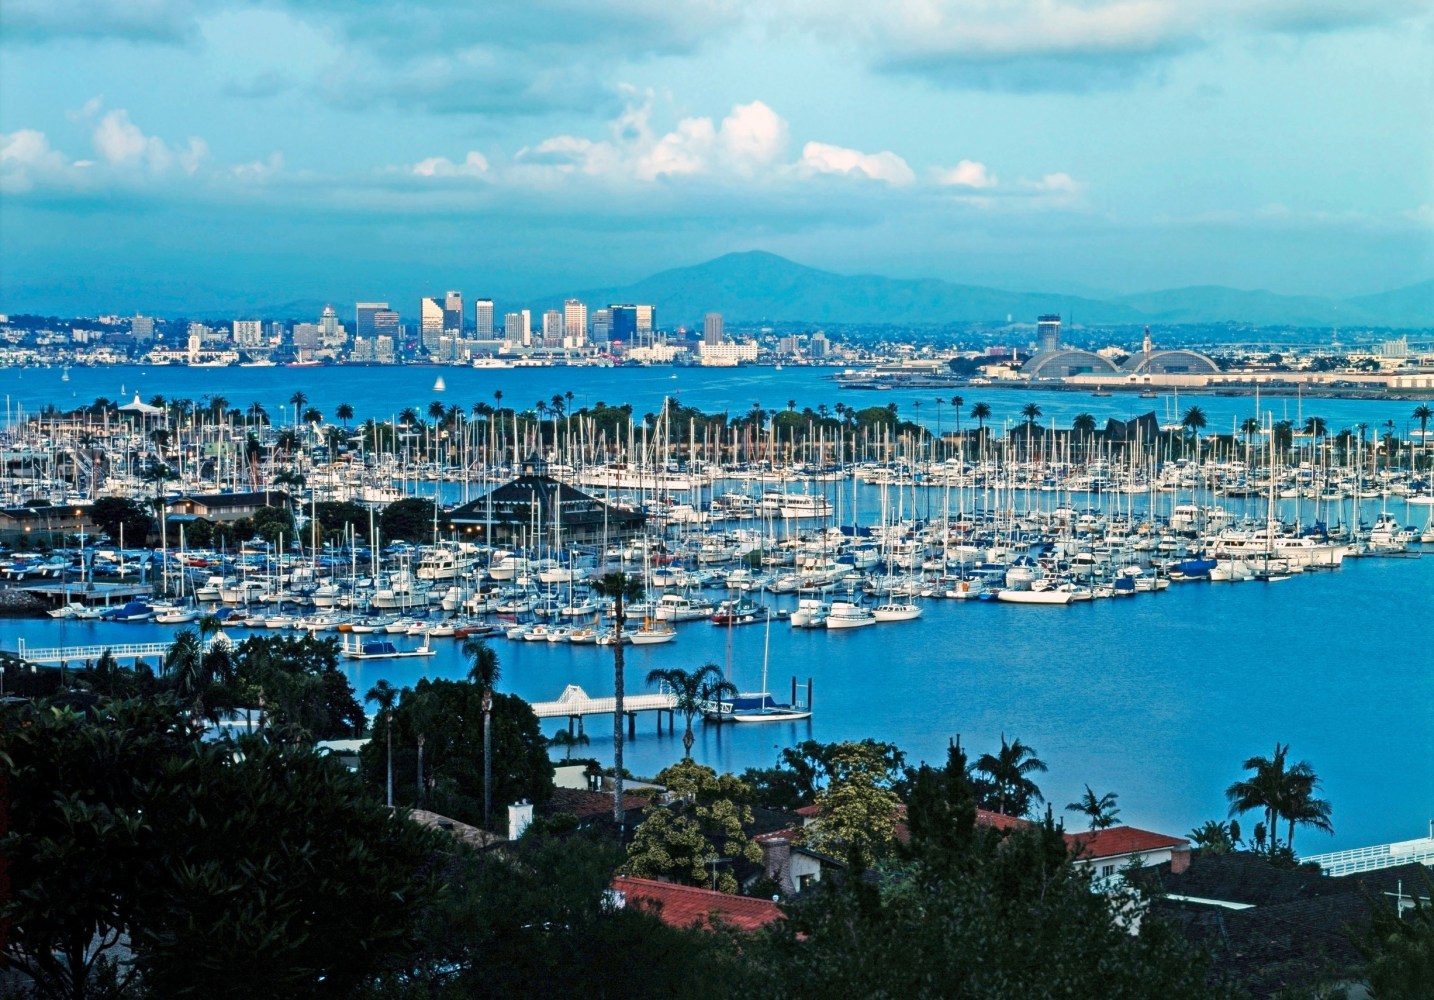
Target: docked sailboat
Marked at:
759, 706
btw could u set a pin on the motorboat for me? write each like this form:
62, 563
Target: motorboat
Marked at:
845, 614
896, 612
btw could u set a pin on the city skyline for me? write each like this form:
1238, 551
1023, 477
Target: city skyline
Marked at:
242, 155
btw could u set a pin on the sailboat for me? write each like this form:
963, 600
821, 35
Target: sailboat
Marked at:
758, 706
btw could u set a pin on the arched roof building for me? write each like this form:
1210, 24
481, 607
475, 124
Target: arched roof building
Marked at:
1172, 362
1065, 362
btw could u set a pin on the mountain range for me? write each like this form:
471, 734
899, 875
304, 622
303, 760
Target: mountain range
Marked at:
762, 287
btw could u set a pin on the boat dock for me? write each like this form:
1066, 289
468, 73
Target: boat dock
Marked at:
575, 704
76, 655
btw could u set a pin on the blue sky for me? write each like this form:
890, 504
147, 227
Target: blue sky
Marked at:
163, 154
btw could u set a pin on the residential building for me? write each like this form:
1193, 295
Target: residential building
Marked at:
552, 328
575, 323
383, 350
483, 319
248, 334
141, 328
712, 328
726, 355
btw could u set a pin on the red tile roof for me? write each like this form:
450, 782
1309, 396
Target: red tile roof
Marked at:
688, 906
1119, 841
998, 821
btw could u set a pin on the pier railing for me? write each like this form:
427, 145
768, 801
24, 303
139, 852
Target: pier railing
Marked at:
1368, 859
574, 702
74, 655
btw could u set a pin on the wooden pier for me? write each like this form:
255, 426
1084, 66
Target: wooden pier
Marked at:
77, 655
575, 704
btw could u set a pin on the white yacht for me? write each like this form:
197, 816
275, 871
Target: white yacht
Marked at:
844, 614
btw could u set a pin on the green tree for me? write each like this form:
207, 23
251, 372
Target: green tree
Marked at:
1100, 810
857, 807
692, 691
623, 589
109, 513
485, 672
1011, 790
1423, 413
274, 523
344, 412
1280, 791
126, 830
1398, 948
1216, 836
980, 412
687, 840
409, 520
385, 696
298, 399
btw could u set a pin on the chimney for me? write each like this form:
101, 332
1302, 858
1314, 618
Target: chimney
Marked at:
1179, 860
777, 863
520, 817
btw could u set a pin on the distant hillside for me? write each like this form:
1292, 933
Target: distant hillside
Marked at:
757, 286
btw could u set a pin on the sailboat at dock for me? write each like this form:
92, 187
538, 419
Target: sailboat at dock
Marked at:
759, 706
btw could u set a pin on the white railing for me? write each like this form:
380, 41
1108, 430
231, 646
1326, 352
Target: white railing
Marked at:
1368, 859
74, 655
574, 701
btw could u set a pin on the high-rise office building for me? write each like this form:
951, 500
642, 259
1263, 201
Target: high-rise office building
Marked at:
141, 328
1048, 332
513, 332
575, 323
483, 319
602, 326
430, 316
712, 328
633, 324
453, 312
364, 313
331, 332
552, 328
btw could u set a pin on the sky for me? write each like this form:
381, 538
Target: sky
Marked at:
178, 156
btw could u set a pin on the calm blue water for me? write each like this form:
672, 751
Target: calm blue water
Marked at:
382, 392
1157, 698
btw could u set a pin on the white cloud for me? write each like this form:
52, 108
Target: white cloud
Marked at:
121, 143
1064, 44
26, 158
475, 164
1058, 183
967, 173
753, 135
822, 158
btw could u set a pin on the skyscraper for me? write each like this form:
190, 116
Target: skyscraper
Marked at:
430, 318
364, 313
1048, 332
483, 319
633, 324
552, 328
575, 323
453, 312
712, 328
515, 332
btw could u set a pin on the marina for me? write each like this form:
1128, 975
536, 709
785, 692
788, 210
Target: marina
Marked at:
928, 585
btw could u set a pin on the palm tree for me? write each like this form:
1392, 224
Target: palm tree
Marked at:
1084, 426
1281, 791
485, 673
298, 399
344, 412
622, 588
422, 706
1424, 414
1032, 412
1194, 422
385, 695
1010, 771
183, 663
436, 410
956, 403
692, 689
313, 416
1101, 810
1250, 428
981, 412
567, 740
